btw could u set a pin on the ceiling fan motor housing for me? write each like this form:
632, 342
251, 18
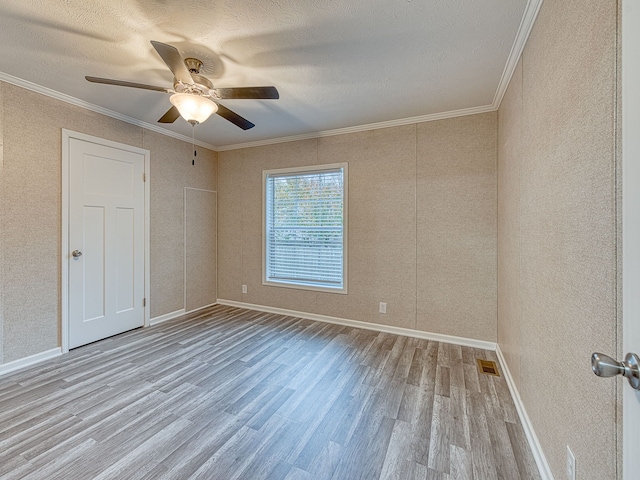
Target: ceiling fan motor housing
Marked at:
201, 84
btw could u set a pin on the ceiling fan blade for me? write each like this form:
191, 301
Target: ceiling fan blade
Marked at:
234, 118
173, 59
121, 83
267, 93
171, 116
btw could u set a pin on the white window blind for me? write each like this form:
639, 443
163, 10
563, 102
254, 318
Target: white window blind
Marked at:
305, 227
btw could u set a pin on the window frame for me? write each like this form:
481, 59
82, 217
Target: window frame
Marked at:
345, 229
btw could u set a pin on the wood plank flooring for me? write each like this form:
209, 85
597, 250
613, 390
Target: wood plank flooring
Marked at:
236, 394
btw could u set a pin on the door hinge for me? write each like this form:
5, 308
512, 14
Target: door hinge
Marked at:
144, 302
144, 177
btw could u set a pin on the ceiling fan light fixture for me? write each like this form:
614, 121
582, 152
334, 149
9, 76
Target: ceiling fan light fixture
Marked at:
193, 108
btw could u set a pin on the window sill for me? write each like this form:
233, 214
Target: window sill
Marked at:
304, 286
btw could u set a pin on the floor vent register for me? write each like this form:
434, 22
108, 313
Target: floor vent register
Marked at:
488, 367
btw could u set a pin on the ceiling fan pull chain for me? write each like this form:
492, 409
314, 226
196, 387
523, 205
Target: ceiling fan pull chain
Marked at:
193, 143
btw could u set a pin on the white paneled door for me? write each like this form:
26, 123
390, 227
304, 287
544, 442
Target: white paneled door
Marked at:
105, 240
631, 228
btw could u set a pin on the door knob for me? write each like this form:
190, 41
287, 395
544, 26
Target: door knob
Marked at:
605, 366
76, 253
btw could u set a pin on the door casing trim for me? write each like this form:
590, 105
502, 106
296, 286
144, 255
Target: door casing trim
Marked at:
630, 150
67, 135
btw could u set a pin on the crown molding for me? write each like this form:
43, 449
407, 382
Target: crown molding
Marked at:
524, 30
362, 128
63, 97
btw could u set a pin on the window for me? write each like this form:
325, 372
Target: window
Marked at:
305, 228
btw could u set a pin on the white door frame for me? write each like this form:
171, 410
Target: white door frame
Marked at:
67, 135
630, 228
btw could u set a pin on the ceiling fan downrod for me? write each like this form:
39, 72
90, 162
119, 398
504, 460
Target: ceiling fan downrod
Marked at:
193, 65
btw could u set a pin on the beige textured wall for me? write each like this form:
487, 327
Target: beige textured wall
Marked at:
200, 247
171, 172
457, 249
2, 200
30, 208
230, 222
557, 244
509, 160
396, 227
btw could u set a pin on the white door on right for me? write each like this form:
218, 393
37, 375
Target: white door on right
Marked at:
631, 228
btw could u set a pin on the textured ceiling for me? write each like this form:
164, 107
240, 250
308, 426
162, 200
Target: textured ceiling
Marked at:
336, 63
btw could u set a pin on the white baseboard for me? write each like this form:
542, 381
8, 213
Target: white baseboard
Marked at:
203, 307
29, 361
166, 317
178, 313
407, 332
534, 443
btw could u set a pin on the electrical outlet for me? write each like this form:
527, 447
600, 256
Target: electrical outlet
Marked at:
244, 289
571, 465
383, 307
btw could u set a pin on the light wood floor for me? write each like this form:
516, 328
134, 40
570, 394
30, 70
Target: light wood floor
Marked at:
231, 393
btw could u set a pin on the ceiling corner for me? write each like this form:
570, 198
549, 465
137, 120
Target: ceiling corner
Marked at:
524, 30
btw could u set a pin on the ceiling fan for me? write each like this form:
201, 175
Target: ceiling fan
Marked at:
193, 95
